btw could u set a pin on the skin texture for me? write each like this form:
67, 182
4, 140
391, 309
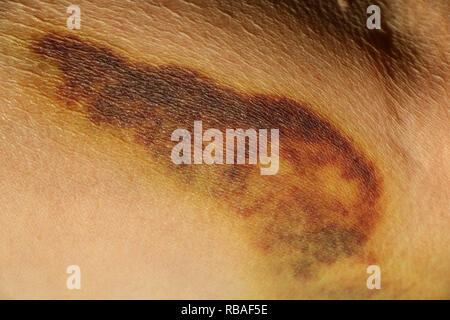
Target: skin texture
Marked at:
305, 225
355, 185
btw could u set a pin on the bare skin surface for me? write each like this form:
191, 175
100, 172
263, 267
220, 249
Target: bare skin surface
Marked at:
87, 179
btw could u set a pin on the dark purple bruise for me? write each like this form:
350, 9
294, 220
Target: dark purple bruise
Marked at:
155, 100
110, 84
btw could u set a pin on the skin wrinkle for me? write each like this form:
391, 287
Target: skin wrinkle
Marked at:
393, 53
396, 56
396, 50
322, 206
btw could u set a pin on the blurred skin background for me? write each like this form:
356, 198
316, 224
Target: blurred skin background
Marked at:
74, 193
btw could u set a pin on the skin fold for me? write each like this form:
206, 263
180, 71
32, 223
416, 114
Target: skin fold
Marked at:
86, 117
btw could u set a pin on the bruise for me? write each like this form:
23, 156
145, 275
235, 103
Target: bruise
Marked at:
320, 207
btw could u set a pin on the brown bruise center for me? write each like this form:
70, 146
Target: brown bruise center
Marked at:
321, 206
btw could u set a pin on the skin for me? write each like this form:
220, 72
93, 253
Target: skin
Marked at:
87, 178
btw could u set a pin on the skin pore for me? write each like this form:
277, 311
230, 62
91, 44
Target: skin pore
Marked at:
93, 121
